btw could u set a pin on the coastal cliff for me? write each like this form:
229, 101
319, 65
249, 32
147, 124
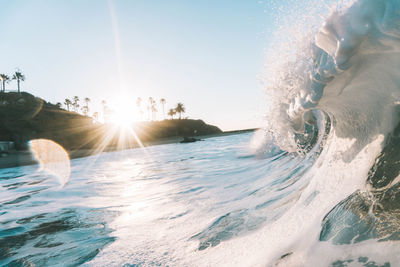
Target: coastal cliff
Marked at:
24, 117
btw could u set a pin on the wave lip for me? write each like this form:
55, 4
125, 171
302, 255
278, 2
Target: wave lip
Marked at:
341, 84
349, 70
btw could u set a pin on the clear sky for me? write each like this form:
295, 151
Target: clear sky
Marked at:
206, 54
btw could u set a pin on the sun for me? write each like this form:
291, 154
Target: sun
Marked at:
123, 113
121, 119
122, 116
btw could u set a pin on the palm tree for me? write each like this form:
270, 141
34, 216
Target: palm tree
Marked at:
58, 104
148, 112
154, 111
162, 101
180, 108
19, 77
105, 110
67, 102
139, 106
95, 116
75, 104
85, 110
87, 100
171, 113
5, 79
150, 108
104, 105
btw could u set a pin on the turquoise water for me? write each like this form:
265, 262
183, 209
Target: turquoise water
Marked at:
159, 206
218, 202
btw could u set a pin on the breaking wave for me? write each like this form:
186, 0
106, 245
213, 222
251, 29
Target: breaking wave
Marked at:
335, 92
333, 100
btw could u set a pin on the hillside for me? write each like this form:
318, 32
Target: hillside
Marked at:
24, 117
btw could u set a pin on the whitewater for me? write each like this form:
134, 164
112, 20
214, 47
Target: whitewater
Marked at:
317, 186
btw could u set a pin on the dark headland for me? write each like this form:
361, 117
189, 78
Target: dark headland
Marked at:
24, 117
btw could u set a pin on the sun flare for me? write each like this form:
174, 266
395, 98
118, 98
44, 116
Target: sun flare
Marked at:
123, 113
122, 119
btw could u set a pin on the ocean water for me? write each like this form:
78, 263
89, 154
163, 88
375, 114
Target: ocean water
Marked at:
318, 186
167, 205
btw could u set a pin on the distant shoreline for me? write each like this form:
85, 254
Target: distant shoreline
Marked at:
23, 158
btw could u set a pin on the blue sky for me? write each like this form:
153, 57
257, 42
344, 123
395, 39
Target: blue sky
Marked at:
206, 54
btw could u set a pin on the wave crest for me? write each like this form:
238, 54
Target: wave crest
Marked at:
349, 70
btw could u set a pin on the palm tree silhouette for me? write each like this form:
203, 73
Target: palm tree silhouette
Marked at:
19, 77
76, 103
154, 111
139, 106
180, 108
162, 101
171, 113
67, 102
87, 100
104, 104
105, 110
4, 79
95, 116
85, 110
151, 109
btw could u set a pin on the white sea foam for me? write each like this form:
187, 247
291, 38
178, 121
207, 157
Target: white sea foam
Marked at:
350, 71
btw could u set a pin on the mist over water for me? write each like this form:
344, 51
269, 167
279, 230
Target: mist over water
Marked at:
319, 186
